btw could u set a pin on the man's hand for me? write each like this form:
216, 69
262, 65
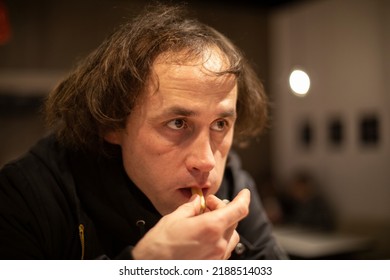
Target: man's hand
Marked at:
184, 234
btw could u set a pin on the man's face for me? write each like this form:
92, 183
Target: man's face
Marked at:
179, 135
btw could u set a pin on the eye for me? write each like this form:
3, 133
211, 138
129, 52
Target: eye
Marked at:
177, 124
219, 125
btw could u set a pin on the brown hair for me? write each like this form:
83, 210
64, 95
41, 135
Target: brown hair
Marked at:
100, 93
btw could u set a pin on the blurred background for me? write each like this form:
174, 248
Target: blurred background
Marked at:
322, 167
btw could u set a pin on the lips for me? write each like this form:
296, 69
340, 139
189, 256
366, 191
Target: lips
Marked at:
188, 193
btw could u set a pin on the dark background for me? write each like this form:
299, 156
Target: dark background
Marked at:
339, 134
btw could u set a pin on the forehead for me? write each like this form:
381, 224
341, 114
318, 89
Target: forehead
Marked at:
210, 60
185, 66
192, 81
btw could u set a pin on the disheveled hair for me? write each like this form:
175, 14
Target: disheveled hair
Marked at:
98, 96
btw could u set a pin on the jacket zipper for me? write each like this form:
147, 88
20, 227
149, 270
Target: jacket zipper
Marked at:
82, 240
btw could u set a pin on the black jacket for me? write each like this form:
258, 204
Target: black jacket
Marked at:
59, 204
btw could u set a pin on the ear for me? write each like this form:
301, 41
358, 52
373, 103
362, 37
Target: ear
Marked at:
113, 137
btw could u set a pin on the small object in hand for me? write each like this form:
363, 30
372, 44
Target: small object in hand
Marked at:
202, 200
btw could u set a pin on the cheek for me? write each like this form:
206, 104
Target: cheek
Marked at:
226, 144
145, 161
138, 154
223, 153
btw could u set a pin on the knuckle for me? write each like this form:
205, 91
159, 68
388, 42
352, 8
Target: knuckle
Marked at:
213, 229
220, 248
235, 237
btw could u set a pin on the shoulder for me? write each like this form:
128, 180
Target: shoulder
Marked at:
35, 202
39, 174
40, 179
37, 166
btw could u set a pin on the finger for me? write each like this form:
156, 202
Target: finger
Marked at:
235, 211
226, 201
189, 209
230, 231
214, 202
232, 243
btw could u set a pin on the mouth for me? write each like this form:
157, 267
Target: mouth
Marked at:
187, 192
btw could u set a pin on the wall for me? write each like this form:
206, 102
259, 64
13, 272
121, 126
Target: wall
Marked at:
343, 45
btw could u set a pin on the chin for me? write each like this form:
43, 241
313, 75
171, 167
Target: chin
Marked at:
168, 208
175, 200
167, 211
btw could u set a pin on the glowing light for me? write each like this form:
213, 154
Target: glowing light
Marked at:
299, 82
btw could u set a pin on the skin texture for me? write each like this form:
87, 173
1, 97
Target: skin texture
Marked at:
211, 235
178, 137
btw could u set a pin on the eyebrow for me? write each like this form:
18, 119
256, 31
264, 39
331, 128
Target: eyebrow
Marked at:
180, 111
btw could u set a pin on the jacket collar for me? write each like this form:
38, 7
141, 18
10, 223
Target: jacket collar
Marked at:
121, 213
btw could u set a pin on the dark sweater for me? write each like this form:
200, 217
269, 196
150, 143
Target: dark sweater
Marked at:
56, 203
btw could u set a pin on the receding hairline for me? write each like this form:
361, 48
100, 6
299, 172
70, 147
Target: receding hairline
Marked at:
210, 56
198, 57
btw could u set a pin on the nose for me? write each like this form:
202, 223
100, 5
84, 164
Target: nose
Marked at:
200, 158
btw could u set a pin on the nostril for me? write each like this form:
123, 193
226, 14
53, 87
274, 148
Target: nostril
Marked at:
201, 165
201, 154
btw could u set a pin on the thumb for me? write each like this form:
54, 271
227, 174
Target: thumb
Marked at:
188, 209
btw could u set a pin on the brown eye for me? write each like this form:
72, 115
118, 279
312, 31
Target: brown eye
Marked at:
219, 125
177, 124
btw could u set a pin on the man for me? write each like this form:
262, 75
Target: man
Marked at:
144, 122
